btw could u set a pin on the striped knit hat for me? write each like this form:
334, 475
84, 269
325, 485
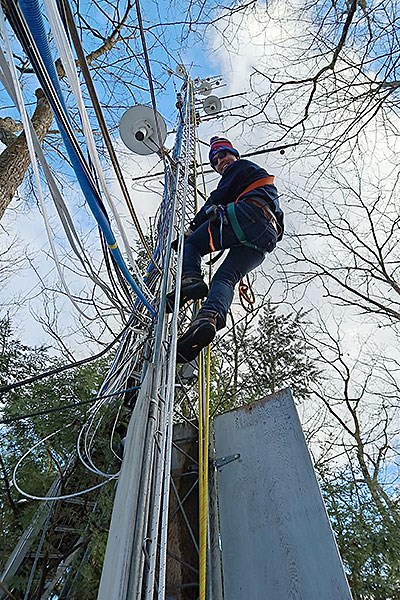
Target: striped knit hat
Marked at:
217, 144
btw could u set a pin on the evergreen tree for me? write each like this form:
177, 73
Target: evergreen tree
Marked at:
81, 532
280, 355
369, 544
256, 360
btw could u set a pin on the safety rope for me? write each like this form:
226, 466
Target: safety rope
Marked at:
202, 499
204, 440
204, 431
246, 294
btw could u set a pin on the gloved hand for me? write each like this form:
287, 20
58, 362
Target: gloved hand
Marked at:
174, 244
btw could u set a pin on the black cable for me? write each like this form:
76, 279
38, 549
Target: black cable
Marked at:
120, 287
65, 407
255, 153
84, 361
149, 75
44, 412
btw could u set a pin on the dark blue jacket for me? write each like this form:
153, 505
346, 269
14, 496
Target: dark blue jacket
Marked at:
235, 179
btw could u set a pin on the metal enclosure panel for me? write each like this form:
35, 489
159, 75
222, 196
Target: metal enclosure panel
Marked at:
277, 542
117, 562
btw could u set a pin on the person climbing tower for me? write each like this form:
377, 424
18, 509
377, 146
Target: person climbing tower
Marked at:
243, 215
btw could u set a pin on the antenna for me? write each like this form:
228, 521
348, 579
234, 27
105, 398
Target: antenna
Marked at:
212, 105
181, 71
138, 129
204, 88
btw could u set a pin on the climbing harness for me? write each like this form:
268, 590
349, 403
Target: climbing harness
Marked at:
246, 292
215, 212
238, 231
269, 180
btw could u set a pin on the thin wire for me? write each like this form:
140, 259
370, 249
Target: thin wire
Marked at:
65, 406
79, 363
207, 171
149, 77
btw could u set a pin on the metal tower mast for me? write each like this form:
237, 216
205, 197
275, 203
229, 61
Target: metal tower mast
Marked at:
136, 555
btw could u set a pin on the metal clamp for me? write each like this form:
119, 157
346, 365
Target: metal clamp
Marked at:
225, 460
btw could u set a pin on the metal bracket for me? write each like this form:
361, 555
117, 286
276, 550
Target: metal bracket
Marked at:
225, 460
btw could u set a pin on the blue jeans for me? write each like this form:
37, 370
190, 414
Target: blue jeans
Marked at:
240, 260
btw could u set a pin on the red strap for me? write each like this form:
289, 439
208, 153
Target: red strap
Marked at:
211, 243
269, 180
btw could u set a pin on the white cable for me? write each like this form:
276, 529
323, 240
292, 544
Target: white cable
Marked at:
113, 434
65, 217
65, 52
25, 121
63, 497
89, 429
66, 220
108, 476
90, 466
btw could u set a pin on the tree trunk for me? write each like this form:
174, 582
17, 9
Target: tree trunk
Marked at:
15, 159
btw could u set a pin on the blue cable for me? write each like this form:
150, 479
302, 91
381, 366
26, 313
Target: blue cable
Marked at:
34, 19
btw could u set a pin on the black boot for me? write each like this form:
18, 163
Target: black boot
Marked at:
193, 287
200, 334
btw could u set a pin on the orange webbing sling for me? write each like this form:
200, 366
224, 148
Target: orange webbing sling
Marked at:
269, 180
